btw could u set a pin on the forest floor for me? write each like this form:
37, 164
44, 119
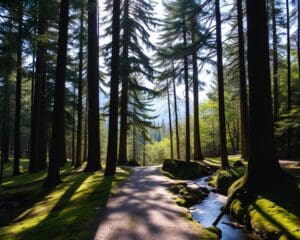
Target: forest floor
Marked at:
28, 212
143, 209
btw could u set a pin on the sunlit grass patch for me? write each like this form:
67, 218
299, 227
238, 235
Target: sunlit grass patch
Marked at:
66, 212
216, 162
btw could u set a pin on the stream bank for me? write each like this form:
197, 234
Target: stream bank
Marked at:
209, 208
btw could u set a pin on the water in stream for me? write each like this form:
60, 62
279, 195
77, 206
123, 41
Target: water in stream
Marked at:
208, 210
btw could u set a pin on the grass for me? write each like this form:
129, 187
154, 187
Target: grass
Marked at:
273, 215
215, 163
66, 212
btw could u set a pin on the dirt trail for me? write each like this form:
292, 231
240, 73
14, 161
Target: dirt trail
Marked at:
143, 209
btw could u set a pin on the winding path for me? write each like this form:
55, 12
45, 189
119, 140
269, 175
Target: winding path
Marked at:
143, 209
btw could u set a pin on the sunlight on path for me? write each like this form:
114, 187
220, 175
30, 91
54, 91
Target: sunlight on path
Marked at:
143, 209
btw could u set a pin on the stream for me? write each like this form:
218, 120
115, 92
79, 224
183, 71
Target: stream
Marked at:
208, 210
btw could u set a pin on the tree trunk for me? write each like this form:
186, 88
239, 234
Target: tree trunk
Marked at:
93, 160
298, 38
38, 108
58, 144
222, 119
170, 121
243, 85
275, 62
289, 92
187, 102
78, 159
176, 112
5, 138
124, 94
17, 138
197, 143
73, 125
263, 167
112, 148
85, 132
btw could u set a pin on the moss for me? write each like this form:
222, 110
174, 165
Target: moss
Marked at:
178, 169
273, 215
223, 179
187, 196
215, 163
215, 230
66, 212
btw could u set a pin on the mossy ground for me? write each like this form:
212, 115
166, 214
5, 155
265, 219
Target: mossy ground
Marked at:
187, 196
178, 169
65, 212
223, 179
274, 214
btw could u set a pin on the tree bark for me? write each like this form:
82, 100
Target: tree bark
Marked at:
124, 94
170, 121
58, 147
187, 102
298, 38
73, 125
289, 91
275, 62
222, 120
112, 148
176, 113
17, 138
263, 167
197, 143
93, 160
78, 159
38, 110
243, 85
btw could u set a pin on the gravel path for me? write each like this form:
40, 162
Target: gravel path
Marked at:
143, 209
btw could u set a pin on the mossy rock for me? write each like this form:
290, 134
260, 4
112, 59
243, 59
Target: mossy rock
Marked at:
215, 230
238, 163
223, 179
188, 196
133, 163
179, 169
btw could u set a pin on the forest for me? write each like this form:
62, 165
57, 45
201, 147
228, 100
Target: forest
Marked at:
144, 119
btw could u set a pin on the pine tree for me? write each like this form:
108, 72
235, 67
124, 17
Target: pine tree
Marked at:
93, 160
112, 156
58, 147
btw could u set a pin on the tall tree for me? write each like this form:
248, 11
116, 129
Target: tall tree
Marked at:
93, 160
197, 143
263, 167
176, 112
243, 84
17, 138
222, 121
38, 156
187, 99
78, 159
170, 120
289, 91
275, 61
58, 148
125, 81
111, 160
137, 19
